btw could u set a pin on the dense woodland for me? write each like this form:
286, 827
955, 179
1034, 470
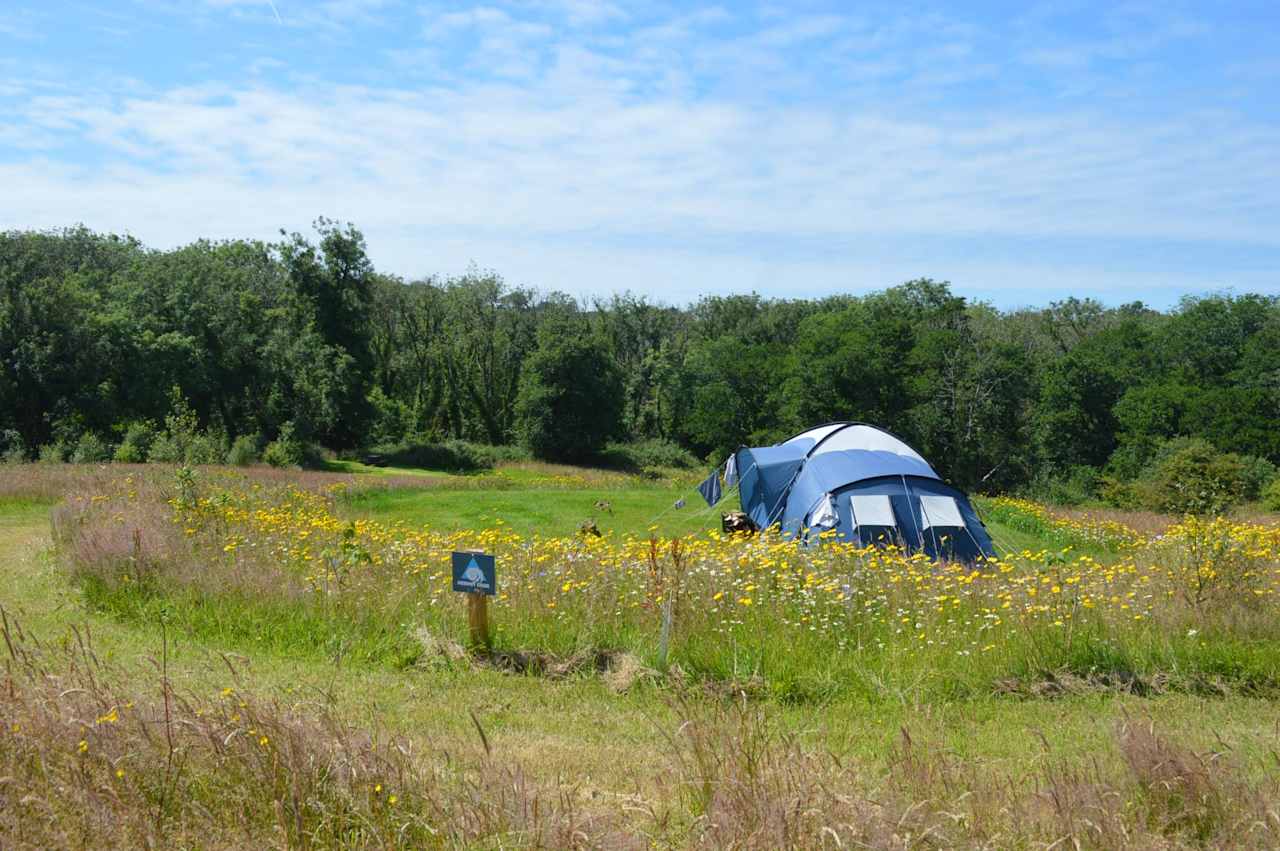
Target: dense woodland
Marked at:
108, 348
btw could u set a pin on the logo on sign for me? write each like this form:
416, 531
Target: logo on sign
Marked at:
474, 573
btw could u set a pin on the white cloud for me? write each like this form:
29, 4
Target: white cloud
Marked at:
494, 155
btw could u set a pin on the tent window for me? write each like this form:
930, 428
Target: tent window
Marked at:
940, 511
872, 510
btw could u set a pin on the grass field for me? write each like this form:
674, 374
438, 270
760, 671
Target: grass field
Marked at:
226, 702
553, 500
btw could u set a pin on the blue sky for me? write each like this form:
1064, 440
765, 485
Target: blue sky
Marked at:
1023, 151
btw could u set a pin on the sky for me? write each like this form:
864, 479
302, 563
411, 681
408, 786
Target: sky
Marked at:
1024, 152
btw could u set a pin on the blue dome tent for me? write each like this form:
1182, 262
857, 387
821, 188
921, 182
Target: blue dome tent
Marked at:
863, 483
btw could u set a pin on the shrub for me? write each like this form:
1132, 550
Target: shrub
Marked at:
53, 453
1132, 456
1190, 476
200, 448
164, 450
182, 441
15, 449
1271, 496
647, 455
494, 455
1258, 474
452, 455
204, 448
90, 449
243, 451
1118, 493
136, 445
286, 450
1078, 485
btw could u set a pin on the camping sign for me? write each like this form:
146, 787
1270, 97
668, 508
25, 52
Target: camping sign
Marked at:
475, 573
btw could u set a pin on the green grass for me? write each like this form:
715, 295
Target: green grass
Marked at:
555, 511
361, 469
1011, 539
547, 512
19, 511
289, 629
511, 494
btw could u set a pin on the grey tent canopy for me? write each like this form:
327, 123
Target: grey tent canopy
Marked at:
866, 485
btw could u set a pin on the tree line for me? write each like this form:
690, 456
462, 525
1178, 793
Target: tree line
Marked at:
248, 341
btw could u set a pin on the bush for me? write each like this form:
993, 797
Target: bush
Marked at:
1119, 493
53, 453
1132, 456
1271, 496
182, 441
453, 455
1190, 476
15, 449
286, 450
200, 448
243, 451
205, 448
136, 444
164, 450
494, 455
654, 453
90, 449
1079, 485
1258, 474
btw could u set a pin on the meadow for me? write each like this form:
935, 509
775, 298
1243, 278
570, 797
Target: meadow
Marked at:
212, 657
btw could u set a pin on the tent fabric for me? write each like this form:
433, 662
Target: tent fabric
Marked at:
880, 490
859, 437
764, 476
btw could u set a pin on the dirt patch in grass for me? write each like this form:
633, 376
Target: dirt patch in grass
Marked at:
618, 669
1063, 683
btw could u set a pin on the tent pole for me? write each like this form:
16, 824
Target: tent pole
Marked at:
919, 532
933, 532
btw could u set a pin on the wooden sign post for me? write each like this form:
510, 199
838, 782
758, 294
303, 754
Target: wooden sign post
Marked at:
475, 574
478, 620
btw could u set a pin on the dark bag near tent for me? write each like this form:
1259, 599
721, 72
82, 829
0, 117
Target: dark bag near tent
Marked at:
737, 522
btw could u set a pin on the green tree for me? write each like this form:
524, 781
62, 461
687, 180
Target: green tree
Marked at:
489, 329
64, 342
570, 401
334, 285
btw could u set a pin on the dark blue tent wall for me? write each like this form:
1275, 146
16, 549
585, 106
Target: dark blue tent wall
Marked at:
766, 474
912, 531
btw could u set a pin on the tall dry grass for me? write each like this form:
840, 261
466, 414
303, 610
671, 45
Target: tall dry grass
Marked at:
748, 785
52, 482
88, 763
1146, 523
